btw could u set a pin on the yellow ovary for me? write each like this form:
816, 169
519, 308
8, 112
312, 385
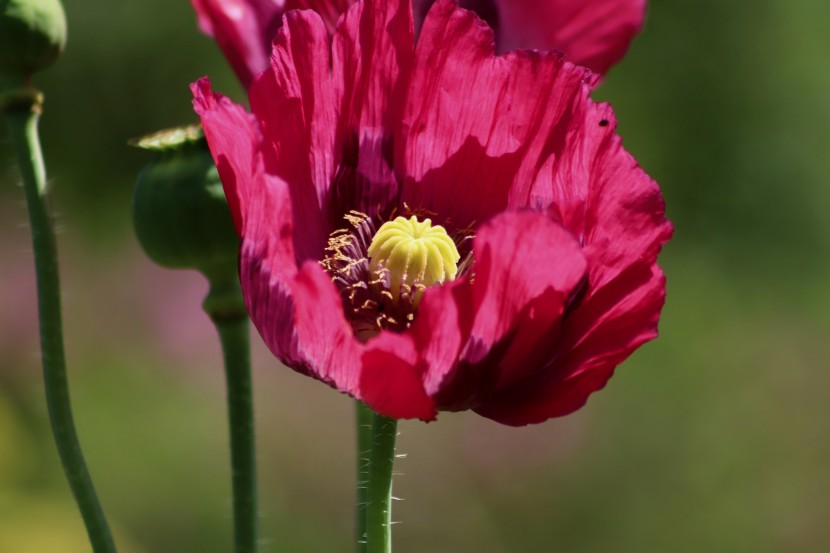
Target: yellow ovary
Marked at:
415, 254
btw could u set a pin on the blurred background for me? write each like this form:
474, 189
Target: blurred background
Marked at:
714, 438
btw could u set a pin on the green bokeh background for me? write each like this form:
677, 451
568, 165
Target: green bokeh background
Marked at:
714, 438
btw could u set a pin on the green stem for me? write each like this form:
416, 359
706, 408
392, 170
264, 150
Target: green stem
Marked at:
363, 425
224, 305
23, 121
379, 492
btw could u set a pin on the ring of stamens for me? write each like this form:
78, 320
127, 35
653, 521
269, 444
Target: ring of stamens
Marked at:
412, 255
383, 272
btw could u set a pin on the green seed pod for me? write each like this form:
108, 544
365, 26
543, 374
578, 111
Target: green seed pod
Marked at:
180, 213
32, 36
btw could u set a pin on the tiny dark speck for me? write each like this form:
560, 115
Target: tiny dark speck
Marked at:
603, 123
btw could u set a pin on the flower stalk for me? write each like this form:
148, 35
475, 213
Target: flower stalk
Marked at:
22, 117
379, 486
226, 309
363, 425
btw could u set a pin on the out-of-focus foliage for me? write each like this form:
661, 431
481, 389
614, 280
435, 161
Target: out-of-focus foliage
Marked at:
714, 438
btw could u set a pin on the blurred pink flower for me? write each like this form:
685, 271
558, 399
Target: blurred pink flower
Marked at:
593, 33
556, 226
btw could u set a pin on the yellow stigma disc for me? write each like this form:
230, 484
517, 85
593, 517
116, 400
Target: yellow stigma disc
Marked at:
416, 254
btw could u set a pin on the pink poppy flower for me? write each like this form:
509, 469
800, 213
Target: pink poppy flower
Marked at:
433, 227
593, 33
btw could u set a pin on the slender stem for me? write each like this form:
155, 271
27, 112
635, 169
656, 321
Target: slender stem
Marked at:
23, 121
363, 424
233, 329
379, 493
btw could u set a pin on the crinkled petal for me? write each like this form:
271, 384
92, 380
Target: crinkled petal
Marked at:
620, 320
602, 195
391, 381
329, 10
268, 269
403, 372
295, 102
527, 266
373, 52
243, 29
616, 211
327, 110
297, 311
326, 340
592, 33
477, 128
262, 212
233, 138
372, 55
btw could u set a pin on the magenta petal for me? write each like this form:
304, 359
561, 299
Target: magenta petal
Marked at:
402, 372
592, 33
233, 137
526, 268
261, 207
478, 128
295, 102
267, 270
391, 381
519, 256
243, 29
327, 108
326, 340
372, 54
616, 211
441, 329
329, 10
298, 312
620, 321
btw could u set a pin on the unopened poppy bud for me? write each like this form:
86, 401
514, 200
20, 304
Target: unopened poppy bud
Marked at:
32, 36
180, 213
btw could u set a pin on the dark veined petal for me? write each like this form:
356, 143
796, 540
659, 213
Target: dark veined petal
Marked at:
620, 319
593, 33
329, 10
617, 213
243, 29
527, 267
478, 128
295, 307
295, 102
234, 140
327, 111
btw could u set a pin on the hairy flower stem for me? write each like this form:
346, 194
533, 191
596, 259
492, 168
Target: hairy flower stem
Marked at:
379, 492
23, 123
225, 306
363, 424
